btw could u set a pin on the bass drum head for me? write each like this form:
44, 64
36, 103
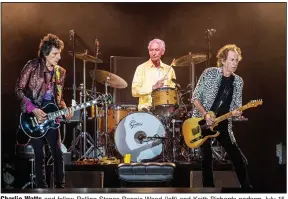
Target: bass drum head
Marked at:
130, 136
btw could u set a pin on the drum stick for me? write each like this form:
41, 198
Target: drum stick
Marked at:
172, 64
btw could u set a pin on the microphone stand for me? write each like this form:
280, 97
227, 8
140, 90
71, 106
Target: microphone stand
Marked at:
94, 94
208, 35
164, 158
208, 52
72, 38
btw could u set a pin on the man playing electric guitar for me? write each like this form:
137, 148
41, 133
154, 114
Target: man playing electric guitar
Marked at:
40, 83
219, 90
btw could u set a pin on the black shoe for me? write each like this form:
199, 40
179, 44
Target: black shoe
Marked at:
246, 186
62, 186
42, 186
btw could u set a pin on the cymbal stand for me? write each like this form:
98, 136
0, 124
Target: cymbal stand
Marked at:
95, 107
192, 77
174, 139
106, 118
72, 148
84, 134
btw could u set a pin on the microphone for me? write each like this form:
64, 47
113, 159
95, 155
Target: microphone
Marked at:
210, 32
71, 32
97, 42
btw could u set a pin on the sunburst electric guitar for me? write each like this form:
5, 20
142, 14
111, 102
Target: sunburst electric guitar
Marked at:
195, 129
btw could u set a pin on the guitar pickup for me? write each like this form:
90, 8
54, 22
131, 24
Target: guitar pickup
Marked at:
196, 130
34, 121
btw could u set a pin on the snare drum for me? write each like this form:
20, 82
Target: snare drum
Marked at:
115, 114
164, 101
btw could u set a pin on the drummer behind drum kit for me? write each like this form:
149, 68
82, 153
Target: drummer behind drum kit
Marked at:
152, 135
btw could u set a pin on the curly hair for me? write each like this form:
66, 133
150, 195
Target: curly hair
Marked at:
223, 53
47, 43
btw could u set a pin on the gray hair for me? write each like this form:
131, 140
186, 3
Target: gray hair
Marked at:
158, 41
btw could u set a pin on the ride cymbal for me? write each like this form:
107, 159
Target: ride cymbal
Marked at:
113, 80
187, 59
85, 57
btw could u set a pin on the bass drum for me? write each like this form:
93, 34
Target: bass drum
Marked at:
134, 134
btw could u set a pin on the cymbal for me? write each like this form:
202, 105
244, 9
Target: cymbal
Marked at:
86, 57
114, 81
197, 58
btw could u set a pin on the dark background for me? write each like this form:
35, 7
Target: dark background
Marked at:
124, 29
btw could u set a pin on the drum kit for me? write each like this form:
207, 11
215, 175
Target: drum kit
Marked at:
152, 135
149, 135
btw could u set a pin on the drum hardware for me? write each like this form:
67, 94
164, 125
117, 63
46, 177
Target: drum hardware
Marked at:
83, 138
72, 38
85, 57
106, 118
111, 80
162, 140
95, 108
27, 151
174, 139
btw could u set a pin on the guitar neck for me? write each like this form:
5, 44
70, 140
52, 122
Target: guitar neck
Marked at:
61, 112
227, 115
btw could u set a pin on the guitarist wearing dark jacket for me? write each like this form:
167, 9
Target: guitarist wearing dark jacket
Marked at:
41, 82
219, 90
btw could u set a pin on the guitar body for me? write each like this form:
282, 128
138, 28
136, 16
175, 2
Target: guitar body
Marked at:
195, 132
21, 137
32, 128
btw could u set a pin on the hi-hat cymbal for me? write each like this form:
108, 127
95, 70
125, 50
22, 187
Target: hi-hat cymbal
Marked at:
114, 81
187, 59
86, 57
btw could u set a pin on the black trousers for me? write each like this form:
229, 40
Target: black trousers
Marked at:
237, 158
52, 137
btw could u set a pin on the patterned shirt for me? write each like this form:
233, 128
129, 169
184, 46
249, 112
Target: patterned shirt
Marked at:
207, 88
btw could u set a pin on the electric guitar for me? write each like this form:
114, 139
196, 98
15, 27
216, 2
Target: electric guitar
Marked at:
33, 129
195, 129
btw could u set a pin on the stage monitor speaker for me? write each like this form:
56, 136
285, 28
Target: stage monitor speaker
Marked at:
227, 179
125, 68
84, 179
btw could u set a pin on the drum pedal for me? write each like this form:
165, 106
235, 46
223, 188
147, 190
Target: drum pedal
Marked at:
111, 160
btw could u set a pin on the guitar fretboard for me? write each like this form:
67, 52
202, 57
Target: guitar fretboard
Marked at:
54, 115
227, 115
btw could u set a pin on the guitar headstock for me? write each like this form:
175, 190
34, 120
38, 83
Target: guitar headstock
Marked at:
255, 103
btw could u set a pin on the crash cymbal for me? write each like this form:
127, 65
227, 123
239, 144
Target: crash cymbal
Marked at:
86, 57
187, 59
114, 80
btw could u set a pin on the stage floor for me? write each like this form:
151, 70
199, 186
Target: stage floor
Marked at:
133, 190
181, 175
